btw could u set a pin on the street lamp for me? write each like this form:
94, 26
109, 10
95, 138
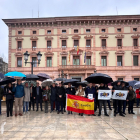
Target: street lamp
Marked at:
26, 55
63, 75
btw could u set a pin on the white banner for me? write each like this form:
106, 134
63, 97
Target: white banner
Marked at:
104, 94
120, 94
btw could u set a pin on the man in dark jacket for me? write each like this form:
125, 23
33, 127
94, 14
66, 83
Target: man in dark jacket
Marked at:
37, 94
53, 96
117, 103
60, 97
31, 103
1, 95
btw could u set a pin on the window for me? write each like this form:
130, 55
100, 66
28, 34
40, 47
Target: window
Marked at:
49, 32
19, 61
135, 60
120, 79
76, 43
49, 61
63, 44
64, 61
119, 30
76, 31
135, 42
19, 32
63, 31
119, 60
88, 43
87, 30
103, 30
88, 60
76, 60
34, 32
103, 43
119, 42
19, 45
103, 61
34, 44
136, 79
134, 29
34, 60
49, 44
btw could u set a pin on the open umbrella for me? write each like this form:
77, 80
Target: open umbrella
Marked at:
7, 80
47, 82
99, 78
43, 76
137, 85
114, 83
30, 77
15, 74
60, 79
79, 83
70, 81
132, 83
29, 83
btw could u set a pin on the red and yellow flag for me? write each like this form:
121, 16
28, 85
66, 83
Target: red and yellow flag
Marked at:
77, 50
80, 104
69, 57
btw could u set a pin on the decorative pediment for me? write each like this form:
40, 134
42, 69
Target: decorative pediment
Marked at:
119, 36
135, 36
135, 52
63, 53
88, 37
18, 54
74, 52
104, 53
88, 53
64, 37
76, 37
33, 38
33, 54
18, 38
120, 52
49, 54
104, 36
48, 37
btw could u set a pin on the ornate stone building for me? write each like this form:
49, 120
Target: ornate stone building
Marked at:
111, 43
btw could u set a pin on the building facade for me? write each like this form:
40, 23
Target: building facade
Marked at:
3, 66
107, 44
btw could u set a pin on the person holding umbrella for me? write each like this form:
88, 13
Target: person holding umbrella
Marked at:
9, 99
1, 95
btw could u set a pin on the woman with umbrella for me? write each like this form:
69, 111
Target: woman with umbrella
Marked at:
80, 92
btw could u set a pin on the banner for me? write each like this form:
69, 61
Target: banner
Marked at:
104, 94
80, 104
120, 94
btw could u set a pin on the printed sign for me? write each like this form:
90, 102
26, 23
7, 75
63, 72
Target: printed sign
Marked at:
104, 94
120, 94
90, 96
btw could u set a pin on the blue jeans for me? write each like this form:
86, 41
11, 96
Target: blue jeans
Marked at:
25, 104
0, 106
138, 100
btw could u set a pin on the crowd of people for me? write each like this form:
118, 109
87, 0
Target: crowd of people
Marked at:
26, 97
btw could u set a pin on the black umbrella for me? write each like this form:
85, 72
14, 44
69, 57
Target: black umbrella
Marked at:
30, 77
132, 83
43, 76
60, 79
99, 78
79, 83
70, 81
115, 83
7, 80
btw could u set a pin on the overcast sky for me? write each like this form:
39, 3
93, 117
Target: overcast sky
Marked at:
54, 8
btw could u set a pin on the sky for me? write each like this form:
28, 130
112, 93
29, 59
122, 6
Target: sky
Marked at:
56, 8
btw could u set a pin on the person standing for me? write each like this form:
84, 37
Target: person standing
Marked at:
1, 95
31, 103
60, 97
102, 87
138, 99
37, 94
26, 98
46, 98
9, 99
53, 96
19, 94
80, 92
70, 91
91, 90
130, 99
96, 97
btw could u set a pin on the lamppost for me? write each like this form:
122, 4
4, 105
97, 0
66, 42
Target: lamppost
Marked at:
63, 75
26, 55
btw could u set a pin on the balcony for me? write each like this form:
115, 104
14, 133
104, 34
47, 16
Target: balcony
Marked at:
63, 47
33, 48
19, 49
76, 67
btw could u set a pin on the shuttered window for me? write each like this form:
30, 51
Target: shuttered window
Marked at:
33, 44
119, 42
88, 60
19, 61
135, 42
49, 61
63, 43
49, 32
19, 32
48, 44
88, 43
64, 61
76, 60
135, 60
34, 32
88, 30
76, 31
76, 42
19, 44
63, 31
119, 60
34, 60
103, 43
103, 61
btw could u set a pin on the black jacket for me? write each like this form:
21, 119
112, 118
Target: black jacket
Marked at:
53, 93
60, 91
116, 87
70, 91
35, 92
9, 96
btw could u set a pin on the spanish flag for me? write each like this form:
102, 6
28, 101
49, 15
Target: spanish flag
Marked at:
80, 104
69, 57
77, 50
